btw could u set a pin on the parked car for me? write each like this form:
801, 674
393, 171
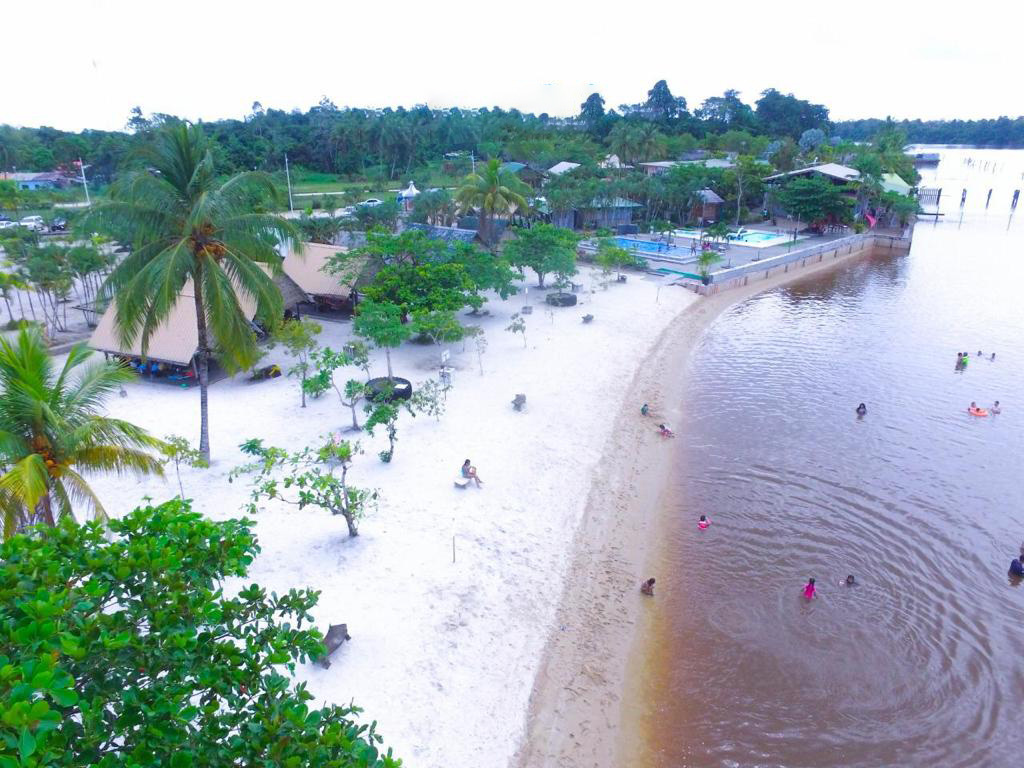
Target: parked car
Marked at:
34, 223
369, 203
7, 224
58, 225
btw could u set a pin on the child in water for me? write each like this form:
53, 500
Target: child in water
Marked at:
647, 587
703, 524
862, 409
809, 589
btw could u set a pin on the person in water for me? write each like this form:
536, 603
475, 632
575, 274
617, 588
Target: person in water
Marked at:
809, 589
703, 524
647, 587
993, 357
995, 407
980, 354
850, 581
862, 409
1017, 567
966, 359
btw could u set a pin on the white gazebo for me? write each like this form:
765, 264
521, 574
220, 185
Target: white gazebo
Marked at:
407, 195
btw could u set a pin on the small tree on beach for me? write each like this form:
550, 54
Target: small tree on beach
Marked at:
438, 326
327, 361
299, 339
610, 256
429, 398
518, 325
312, 477
543, 248
107, 625
177, 451
480, 342
385, 414
382, 324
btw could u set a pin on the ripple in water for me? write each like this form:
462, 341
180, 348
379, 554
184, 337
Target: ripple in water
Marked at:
922, 663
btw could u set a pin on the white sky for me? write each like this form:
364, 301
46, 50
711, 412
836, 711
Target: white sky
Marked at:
86, 63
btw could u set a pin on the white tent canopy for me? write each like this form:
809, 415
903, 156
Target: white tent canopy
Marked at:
409, 192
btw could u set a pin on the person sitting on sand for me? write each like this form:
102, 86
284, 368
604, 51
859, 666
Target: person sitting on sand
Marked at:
665, 431
469, 471
862, 409
645, 409
647, 587
703, 524
995, 408
810, 591
1017, 567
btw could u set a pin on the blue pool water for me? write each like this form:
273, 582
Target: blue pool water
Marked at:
759, 237
644, 245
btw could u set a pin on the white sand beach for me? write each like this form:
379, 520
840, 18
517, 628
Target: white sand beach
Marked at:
443, 655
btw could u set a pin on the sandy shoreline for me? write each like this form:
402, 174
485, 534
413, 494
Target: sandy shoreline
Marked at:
576, 716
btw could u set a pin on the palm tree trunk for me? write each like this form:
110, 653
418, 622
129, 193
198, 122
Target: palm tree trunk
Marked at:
203, 359
45, 509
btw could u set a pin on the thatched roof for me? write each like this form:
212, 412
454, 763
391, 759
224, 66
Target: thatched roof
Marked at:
175, 341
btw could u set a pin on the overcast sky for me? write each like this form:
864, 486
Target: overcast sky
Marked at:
86, 63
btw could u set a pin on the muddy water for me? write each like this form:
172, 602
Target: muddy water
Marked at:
922, 663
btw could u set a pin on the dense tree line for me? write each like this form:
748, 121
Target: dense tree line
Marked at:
998, 132
388, 143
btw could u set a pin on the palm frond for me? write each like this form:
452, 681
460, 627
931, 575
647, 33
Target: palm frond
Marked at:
27, 481
77, 491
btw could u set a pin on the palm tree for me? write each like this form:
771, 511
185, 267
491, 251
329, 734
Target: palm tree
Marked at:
189, 228
51, 432
494, 192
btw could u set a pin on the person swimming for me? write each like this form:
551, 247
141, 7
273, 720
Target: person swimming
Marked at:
993, 357
862, 409
850, 581
809, 589
995, 408
703, 524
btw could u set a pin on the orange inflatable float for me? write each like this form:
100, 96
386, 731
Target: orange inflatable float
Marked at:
975, 411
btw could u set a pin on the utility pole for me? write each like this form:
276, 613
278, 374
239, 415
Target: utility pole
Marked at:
85, 184
288, 177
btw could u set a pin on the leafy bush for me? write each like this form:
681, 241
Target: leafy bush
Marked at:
120, 649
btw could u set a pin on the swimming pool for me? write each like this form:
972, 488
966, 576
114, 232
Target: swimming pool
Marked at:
646, 246
754, 238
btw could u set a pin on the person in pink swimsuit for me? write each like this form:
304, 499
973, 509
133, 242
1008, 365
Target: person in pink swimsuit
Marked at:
703, 523
809, 590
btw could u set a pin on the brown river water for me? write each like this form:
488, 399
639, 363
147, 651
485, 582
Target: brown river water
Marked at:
921, 663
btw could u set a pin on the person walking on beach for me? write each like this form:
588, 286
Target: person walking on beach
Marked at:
647, 587
810, 591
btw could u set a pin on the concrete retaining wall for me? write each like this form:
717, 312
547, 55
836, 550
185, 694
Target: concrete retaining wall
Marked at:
854, 245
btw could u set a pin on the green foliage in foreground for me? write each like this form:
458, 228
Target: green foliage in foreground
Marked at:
118, 648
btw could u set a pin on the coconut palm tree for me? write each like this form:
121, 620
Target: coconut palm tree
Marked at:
493, 192
187, 227
52, 431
